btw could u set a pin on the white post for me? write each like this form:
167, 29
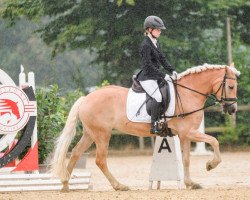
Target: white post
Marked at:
31, 82
22, 77
34, 139
141, 143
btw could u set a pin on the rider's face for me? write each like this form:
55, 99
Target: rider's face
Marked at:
156, 32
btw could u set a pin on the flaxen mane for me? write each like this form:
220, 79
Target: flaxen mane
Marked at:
205, 67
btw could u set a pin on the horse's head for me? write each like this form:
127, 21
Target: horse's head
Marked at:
225, 89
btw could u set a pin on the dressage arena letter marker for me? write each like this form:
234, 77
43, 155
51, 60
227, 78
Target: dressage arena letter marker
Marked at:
167, 161
164, 141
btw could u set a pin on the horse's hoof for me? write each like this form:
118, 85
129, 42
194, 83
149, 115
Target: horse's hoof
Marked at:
65, 189
196, 186
209, 166
121, 187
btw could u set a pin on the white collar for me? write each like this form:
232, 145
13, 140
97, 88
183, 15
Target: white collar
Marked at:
154, 41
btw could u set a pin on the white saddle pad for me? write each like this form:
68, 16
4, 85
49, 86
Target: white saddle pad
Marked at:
135, 100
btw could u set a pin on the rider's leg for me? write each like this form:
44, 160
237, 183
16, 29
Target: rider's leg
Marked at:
152, 89
155, 110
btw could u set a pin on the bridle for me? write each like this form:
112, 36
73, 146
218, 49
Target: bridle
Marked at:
210, 96
223, 91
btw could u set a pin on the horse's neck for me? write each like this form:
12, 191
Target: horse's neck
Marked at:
201, 82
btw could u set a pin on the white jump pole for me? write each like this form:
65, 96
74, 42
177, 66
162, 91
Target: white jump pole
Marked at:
200, 148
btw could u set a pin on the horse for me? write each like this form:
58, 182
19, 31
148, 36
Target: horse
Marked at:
105, 109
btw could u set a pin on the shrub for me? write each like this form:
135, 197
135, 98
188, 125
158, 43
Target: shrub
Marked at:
51, 117
52, 113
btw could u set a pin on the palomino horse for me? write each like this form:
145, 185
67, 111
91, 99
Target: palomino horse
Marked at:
105, 109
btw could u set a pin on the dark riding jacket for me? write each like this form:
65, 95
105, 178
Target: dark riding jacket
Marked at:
152, 59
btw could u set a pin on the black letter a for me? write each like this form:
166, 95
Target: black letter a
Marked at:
164, 147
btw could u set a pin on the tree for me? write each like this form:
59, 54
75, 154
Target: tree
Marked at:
20, 45
113, 29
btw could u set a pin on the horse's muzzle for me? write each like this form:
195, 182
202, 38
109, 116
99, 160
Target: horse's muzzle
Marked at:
230, 108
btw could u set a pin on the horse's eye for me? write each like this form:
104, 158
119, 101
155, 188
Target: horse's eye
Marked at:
231, 87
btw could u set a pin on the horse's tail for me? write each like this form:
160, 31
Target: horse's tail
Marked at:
58, 163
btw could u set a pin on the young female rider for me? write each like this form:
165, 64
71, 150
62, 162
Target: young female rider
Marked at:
152, 58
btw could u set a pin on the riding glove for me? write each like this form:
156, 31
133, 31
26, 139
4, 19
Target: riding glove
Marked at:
174, 75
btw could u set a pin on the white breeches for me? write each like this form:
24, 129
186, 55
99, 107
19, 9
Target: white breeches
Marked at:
152, 89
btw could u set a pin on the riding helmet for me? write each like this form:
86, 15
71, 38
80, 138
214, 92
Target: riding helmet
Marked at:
154, 22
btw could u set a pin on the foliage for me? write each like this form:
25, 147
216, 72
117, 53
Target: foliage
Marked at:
244, 85
243, 117
52, 113
51, 117
21, 45
113, 29
243, 128
230, 135
105, 83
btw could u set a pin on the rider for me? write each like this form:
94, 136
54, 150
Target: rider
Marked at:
152, 58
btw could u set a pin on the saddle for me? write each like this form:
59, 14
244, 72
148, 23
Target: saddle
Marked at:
164, 89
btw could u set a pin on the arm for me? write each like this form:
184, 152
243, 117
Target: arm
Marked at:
167, 66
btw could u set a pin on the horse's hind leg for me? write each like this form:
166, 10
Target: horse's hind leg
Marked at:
101, 161
78, 150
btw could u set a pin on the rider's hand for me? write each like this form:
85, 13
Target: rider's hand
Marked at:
174, 75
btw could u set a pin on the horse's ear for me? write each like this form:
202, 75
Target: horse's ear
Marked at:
232, 64
233, 69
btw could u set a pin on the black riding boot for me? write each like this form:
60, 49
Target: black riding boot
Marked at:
155, 112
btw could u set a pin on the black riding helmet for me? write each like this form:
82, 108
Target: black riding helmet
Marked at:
154, 22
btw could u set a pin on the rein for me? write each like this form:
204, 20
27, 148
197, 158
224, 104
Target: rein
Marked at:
211, 96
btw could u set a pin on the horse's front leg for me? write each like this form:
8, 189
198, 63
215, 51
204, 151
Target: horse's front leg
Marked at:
185, 146
196, 136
